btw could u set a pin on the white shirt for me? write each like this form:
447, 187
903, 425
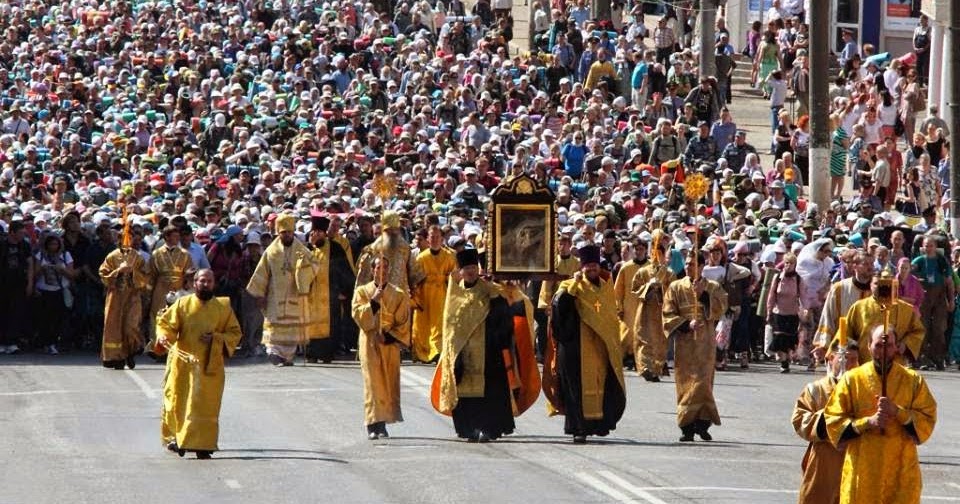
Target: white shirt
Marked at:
50, 280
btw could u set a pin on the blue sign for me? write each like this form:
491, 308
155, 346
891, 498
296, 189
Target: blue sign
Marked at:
754, 5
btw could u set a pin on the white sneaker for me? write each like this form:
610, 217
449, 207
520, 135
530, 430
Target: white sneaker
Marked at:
52, 350
4, 349
12, 349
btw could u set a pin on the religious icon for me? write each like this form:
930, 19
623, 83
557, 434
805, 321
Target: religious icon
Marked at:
522, 235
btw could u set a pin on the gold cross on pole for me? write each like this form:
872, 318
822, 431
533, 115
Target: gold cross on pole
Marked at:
596, 306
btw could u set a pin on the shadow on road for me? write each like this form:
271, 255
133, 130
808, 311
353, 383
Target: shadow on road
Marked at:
276, 454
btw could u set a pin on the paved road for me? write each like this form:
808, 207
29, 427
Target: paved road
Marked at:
73, 432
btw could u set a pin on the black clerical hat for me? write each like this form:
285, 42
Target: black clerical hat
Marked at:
468, 257
589, 254
319, 222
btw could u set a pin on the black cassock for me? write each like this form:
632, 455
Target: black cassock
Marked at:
566, 334
491, 413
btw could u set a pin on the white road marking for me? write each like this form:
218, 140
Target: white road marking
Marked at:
954, 485
232, 484
414, 377
144, 386
630, 487
600, 486
38, 392
284, 390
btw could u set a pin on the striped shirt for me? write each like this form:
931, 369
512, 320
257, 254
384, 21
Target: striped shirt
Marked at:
838, 154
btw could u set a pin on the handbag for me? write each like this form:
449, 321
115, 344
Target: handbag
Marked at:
67, 294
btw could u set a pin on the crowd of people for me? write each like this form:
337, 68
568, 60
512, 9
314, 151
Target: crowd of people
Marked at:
323, 170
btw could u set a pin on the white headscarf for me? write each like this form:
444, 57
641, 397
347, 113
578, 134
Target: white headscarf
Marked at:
814, 272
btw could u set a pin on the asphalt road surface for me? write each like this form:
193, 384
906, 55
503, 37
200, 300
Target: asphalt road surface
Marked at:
74, 432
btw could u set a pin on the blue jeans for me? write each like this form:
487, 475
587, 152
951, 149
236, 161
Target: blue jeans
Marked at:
774, 121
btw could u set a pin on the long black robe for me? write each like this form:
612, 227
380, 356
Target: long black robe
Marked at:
566, 333
491, 413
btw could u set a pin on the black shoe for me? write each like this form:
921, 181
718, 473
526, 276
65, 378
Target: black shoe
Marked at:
172, 446
118, 365
482, 437
784, 367
649, 376
312, 360
275, 359
328, 360
287, 363
579, 439
686, 437
373, 436
131, 362
382, 430
665, 371
204, 454
704, 435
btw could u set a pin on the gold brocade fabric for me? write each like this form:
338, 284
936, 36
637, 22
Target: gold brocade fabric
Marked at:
318, 299
464, 321
651, 341
380, 362
841, 297
564, 267
866, 314
428, 298
192, 391
881, 467
627, 303
822, 463
285, 316
694, 351
166, 270
599, 340
122, 307
404, 273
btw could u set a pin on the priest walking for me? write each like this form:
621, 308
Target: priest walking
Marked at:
200, 331
472, 381
692, 307
382, 311
589, 364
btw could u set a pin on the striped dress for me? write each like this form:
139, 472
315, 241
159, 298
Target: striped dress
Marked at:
838, 154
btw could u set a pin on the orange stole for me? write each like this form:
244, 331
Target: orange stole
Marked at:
523, 377
551, 378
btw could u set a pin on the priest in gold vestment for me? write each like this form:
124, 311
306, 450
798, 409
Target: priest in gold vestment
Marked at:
328, 284
822, 462
648, 285
627, 301
472, 382
881, 431
200, 330
436, 263
281, 284
866, 313
565, 265
123, 273
167, 268
691, 310
589, 363
382, 311
404, 273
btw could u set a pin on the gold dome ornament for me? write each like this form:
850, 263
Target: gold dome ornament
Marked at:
696, 186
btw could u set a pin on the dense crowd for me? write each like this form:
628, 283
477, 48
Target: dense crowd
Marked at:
200, 124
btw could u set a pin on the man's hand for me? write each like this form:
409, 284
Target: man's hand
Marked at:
877, 421
455, 275
819, 352
381, 339
377, 295
206, 337
161, 341
124, 267
886, 407
695, 325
